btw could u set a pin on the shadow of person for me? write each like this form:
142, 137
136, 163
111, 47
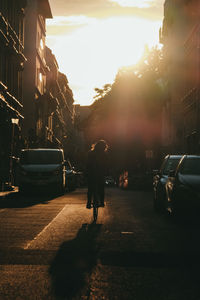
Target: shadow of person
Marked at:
74, 261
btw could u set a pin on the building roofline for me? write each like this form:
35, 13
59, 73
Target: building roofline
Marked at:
45, 9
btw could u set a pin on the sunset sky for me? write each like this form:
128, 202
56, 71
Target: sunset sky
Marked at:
92, 39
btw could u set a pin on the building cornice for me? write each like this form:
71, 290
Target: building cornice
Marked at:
44, 9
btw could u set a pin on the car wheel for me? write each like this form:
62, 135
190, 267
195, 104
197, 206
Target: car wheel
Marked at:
156, 204
160, 204
164, 204
72, 187
61, 189
176, 211
22, 190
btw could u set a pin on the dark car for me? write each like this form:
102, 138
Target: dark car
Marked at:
160, 177
183, 186
41, 168
109, 181
135, 180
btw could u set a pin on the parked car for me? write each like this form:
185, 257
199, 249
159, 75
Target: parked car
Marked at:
70, 177
123, 180
135, 180
80, 179
183, 186
109, 181
160, 177
41, 168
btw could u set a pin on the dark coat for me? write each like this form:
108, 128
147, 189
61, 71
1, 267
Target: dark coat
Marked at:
96, 166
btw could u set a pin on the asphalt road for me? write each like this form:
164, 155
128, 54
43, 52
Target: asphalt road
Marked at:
50, 249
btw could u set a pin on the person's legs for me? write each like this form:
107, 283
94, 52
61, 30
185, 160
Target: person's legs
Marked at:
101, 193
89, 198
89, 193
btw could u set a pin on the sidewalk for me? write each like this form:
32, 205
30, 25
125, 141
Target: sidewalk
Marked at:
7, 192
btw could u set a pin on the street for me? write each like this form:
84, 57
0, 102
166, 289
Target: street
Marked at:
50, 249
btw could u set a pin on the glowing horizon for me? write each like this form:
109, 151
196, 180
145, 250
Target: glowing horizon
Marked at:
135, 3
90, 51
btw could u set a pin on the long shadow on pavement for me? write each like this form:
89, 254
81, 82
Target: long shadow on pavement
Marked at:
74, 262
17, 200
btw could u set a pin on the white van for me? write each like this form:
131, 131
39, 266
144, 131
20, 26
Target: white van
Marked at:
39, 168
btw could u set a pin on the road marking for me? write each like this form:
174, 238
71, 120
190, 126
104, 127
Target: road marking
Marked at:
44, 230
59, 227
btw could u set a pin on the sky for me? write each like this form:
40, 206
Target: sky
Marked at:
92, 39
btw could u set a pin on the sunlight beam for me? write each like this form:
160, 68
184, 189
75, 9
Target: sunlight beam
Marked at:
91, 54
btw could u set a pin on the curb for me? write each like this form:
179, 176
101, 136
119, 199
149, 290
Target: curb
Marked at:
5, 193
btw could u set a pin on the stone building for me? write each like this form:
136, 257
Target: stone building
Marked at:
60, 122
191, 97
48, 100
67, 110
180, 35
36, 98
12, 59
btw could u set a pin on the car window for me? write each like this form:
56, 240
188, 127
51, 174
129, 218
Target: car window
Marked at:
41, 157
171, 164
190, 166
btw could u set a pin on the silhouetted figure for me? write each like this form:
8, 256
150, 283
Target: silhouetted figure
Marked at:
96, 170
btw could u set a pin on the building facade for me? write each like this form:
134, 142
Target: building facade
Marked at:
35, 73
36, 102
180, 35
60, 121
67, 111
12, 59
191, 98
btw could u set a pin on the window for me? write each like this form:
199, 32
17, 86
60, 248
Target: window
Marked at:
40, 81
41, 44
171, 164
190, 166
40, 77
41, 157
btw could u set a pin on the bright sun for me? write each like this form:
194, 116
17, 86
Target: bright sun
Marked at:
135, 3
91, 55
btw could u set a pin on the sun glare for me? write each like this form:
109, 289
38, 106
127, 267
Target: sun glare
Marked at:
133, 3
92, 55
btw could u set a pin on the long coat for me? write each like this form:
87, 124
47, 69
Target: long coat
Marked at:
96, 171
